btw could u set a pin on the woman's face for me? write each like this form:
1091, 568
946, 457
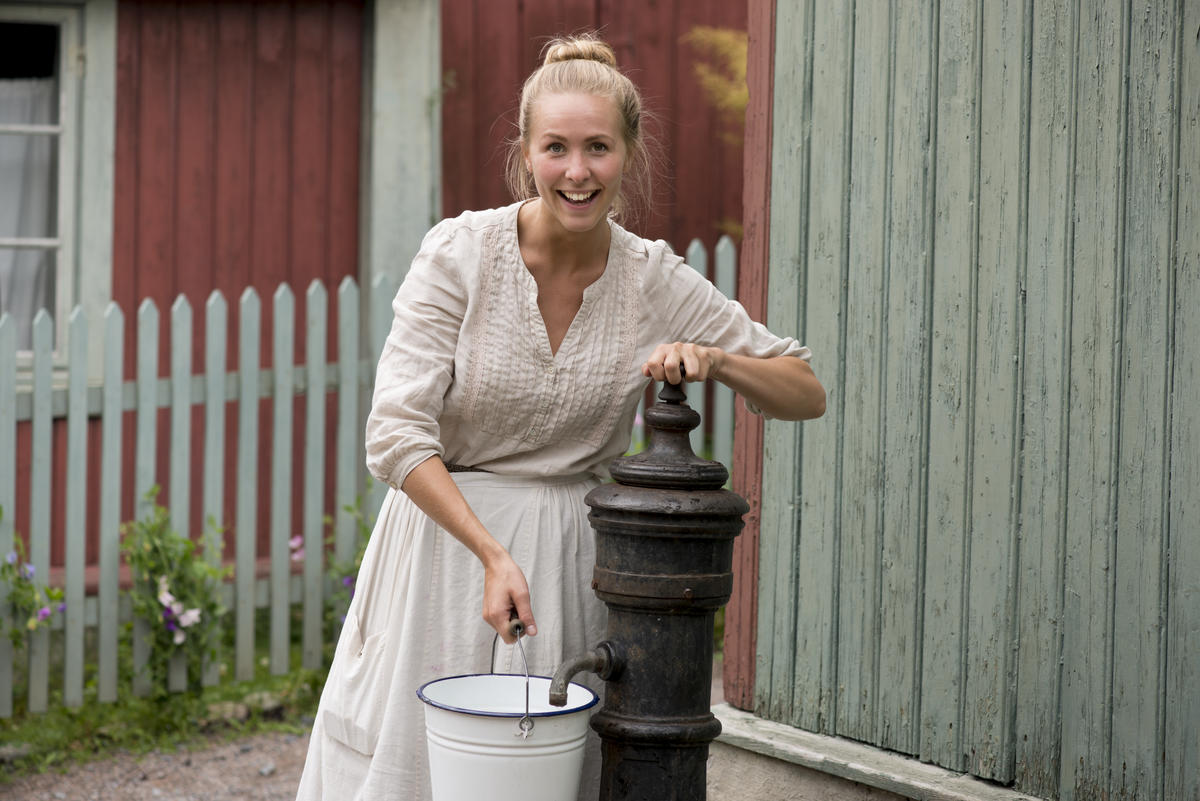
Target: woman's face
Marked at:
576, 153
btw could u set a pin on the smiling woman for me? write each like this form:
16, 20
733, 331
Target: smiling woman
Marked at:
522, 340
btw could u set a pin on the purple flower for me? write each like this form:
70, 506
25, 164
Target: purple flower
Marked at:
12, 557
347, 581
43, 613
296, 542
62, 607
27, 570
171, 625
167, 614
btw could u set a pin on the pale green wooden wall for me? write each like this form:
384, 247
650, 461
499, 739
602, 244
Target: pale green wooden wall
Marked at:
985, 223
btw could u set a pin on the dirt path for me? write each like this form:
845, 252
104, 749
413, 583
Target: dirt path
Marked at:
264, 767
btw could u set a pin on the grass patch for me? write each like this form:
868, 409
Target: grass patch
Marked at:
62, 736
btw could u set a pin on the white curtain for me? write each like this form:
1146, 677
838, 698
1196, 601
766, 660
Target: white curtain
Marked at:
28, 201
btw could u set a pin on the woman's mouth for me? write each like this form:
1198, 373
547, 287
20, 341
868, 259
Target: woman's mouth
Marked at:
578, 198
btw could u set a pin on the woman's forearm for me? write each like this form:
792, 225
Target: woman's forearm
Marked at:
505, 589
784, 387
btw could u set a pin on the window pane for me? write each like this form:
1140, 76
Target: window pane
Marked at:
28, 185
29, 55
26, 285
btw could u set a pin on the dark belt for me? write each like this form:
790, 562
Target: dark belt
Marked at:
462, 468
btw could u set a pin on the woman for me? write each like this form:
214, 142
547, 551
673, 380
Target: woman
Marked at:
523, 338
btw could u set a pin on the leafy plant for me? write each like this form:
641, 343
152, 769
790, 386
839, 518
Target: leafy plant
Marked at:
175, 591
722, 73
32, 605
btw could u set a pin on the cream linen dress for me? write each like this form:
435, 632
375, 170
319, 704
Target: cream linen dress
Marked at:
467, 374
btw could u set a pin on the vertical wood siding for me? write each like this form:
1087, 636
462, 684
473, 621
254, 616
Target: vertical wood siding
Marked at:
489, 47
236, 167
985, 555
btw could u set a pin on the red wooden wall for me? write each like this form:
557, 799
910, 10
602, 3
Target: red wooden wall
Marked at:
489, 47
236, 166
741, 615
237, 160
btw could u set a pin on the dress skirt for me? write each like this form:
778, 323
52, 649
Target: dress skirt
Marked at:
416, 616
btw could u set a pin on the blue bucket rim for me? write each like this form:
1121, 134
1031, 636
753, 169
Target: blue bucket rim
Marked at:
479, 713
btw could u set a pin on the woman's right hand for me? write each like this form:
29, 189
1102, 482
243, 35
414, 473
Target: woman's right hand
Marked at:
505, 596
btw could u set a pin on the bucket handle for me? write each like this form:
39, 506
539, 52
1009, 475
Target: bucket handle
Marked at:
517, 629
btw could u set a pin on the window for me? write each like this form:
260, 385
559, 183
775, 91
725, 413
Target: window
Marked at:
38, 136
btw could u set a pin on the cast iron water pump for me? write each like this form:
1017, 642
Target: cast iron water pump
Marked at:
664, 566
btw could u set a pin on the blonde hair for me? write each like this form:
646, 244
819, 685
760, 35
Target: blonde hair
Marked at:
585, 64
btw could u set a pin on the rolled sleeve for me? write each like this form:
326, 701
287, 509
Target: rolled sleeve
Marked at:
417, 363
693, 310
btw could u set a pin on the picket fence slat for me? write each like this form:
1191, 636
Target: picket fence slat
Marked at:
725, 256
145, 453
31, 397
216, 335
284, 342
110, 503
181, 445
76, 555
8, 495
249, 335
317, 310
39, 507
697, 256
348, 469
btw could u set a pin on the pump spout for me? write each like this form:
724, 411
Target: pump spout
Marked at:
602, 660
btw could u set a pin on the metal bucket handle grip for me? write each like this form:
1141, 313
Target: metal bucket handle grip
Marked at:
517, 629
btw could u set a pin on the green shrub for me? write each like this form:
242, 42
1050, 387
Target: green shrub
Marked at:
176, 592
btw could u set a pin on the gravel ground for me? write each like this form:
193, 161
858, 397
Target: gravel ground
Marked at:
264, 767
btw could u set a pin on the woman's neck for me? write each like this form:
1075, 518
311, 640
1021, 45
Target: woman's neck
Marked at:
558, 248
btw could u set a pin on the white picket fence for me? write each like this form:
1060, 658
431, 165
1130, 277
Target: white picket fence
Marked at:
34, 391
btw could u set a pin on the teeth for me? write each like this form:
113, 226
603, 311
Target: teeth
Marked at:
577, 197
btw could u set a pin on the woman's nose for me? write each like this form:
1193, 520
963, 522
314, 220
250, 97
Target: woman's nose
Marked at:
576, 168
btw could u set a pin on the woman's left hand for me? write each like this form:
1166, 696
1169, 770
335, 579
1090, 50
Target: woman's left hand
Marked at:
784, 387
700, 363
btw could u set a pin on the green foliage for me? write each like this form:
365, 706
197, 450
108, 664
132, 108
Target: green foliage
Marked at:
721, 71
32, 605
175, 591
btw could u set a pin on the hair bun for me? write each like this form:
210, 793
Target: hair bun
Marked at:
585, 48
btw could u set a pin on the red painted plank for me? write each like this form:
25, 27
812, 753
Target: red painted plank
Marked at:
158, 138
498, 80
234, 125
194, 211
741, 616
460, 183
345, 110
270, 247
310, 122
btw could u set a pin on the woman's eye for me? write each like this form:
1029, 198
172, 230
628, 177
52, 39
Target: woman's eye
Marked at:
599, 147
556, 147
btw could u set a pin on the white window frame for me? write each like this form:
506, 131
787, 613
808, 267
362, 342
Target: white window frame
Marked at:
86, 132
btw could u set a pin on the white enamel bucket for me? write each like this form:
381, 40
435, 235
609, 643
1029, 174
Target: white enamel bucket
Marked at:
474, 728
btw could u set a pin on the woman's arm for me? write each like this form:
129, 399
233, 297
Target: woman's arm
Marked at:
431, 488
783, 387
